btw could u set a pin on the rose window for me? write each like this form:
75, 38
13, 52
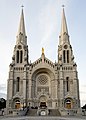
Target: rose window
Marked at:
42, 79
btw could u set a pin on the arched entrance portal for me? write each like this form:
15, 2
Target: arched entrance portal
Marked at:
68, 103
43, 101
17, 104
42, 81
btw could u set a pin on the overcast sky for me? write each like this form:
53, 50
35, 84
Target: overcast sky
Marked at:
43, 25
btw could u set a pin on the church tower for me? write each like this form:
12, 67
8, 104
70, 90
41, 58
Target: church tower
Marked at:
16, 89
20, 56
69, 83
65, 53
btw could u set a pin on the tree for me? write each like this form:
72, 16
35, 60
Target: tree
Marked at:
84, 107
2, 103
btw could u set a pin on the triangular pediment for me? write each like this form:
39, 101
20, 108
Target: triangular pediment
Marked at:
43, 60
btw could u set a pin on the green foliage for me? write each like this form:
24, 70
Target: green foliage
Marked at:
84, 107
2, 103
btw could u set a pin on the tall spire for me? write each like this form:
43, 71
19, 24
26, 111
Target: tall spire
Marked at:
64, 23
64, 37
22, 24
21, 35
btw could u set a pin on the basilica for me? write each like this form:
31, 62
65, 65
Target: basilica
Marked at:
43, 84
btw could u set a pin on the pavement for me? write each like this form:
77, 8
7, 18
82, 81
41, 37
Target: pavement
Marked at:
41, 118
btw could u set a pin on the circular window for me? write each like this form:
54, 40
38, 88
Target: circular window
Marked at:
19, 47
42, 79
65, 46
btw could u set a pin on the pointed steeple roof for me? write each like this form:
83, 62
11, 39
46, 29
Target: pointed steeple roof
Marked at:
64, 36
21, 34
63, 24
21, 25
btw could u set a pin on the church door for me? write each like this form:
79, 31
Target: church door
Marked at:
68, 104
43, 100
17, 105
43, 104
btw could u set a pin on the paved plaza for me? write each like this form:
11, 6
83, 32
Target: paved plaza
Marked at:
42, 118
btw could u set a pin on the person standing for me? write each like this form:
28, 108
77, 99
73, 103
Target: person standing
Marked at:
2, 111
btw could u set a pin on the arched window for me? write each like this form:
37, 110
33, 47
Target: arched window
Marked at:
17, 56
17, 84
67, 56
67, 82
64, 60
21, 55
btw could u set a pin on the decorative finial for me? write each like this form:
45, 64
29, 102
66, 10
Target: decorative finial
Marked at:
63, 6
22, 6
42, 50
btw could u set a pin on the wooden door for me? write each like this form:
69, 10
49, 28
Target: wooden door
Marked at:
17, 106
68, 105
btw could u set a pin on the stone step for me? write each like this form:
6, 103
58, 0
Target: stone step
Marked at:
32, 112
54, 112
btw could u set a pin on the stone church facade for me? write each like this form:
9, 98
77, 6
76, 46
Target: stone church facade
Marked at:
43, 82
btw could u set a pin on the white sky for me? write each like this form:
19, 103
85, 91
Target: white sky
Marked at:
43, 24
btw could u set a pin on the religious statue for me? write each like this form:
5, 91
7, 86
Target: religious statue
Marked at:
42, 50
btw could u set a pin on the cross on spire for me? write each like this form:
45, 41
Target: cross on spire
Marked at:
63, 6
22, 6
